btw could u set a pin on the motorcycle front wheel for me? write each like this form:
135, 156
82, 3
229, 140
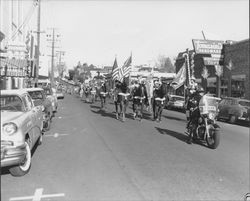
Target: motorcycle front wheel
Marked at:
213, 140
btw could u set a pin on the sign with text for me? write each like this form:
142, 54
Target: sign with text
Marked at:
207, 46
211, 61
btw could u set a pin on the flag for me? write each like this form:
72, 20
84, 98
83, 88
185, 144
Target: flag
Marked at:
124, 71
180, 78
115, 70
127, 66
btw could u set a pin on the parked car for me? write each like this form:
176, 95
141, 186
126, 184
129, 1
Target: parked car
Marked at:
176, 102
234, 109
39, 99
21, 129
52, 97
59, 93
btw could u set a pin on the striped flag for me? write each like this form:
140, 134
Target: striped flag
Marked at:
180, 78
125, 70
115, 70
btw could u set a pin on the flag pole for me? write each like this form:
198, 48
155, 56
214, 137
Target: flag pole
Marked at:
129, 78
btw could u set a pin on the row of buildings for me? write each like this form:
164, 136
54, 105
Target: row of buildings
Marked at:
222, 68
18, 48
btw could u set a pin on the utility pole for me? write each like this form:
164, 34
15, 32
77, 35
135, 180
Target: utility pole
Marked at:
60, 60
52, 56
38, 41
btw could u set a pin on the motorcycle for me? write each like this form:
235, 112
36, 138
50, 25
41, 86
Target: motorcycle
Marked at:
206, 128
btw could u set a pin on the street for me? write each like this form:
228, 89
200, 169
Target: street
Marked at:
89, 155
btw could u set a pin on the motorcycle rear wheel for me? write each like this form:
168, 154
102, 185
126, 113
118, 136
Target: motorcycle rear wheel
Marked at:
214, 140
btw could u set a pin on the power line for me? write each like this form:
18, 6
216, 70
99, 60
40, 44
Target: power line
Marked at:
26, 20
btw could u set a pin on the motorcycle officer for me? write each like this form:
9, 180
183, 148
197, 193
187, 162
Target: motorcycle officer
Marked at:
193, 106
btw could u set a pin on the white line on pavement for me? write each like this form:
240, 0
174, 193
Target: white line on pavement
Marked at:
37, 196
55, 135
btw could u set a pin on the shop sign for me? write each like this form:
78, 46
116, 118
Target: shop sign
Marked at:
211, 61
15, 72
207, 46
12, 72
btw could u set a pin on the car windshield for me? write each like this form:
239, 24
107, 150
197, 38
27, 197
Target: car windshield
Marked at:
178, 99
48, 91
11, 103
244, 103
36, 95
59, 90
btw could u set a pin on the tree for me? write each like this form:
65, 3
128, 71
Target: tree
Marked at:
164, 64
61, 68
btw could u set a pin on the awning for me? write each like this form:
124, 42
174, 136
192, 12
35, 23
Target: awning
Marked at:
13, 63
13, 67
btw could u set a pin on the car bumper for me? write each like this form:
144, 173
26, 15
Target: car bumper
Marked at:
12, 155
243, 119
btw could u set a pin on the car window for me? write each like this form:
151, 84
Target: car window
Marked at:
244, 103
48, 91
179, 99
11, 103
36, 95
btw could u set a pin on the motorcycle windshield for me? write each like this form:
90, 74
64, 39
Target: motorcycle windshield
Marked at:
208, 104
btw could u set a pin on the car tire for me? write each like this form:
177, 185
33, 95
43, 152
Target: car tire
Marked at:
40, 139
232, 119
48, 124
24, 168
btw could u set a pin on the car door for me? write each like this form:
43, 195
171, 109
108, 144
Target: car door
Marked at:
223, 107
34, 115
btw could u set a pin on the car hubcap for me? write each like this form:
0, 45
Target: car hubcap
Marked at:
26, 164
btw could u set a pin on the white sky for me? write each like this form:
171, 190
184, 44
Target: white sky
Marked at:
96, 31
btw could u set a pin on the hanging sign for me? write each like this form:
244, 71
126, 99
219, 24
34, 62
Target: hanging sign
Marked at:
207, 46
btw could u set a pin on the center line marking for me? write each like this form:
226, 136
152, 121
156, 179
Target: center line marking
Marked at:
37, 196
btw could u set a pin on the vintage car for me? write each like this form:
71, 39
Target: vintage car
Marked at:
21, 129
39, 99
234, 109
59, 93
51, 94
175, 102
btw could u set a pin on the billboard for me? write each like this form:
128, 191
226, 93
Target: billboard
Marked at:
207, 46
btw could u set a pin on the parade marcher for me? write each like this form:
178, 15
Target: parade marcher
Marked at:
116, 100
123, 98
103, 94
81, 91
140, 98
87, 93
93, 93
159, 99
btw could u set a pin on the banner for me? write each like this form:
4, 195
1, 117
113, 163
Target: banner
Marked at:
180, 78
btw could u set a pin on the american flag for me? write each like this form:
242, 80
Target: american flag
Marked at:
115, 70
124, 71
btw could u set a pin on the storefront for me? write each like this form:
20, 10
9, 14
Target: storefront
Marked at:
236, 69
13, 73
225, 78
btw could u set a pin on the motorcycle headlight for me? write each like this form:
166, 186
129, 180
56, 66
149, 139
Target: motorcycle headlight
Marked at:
211, 116
9, 128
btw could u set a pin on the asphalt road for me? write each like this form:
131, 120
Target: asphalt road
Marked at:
89, 155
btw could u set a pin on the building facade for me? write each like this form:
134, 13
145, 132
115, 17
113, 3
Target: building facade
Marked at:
13, 47
234, 76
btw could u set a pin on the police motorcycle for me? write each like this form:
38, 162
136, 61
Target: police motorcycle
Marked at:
205, 128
